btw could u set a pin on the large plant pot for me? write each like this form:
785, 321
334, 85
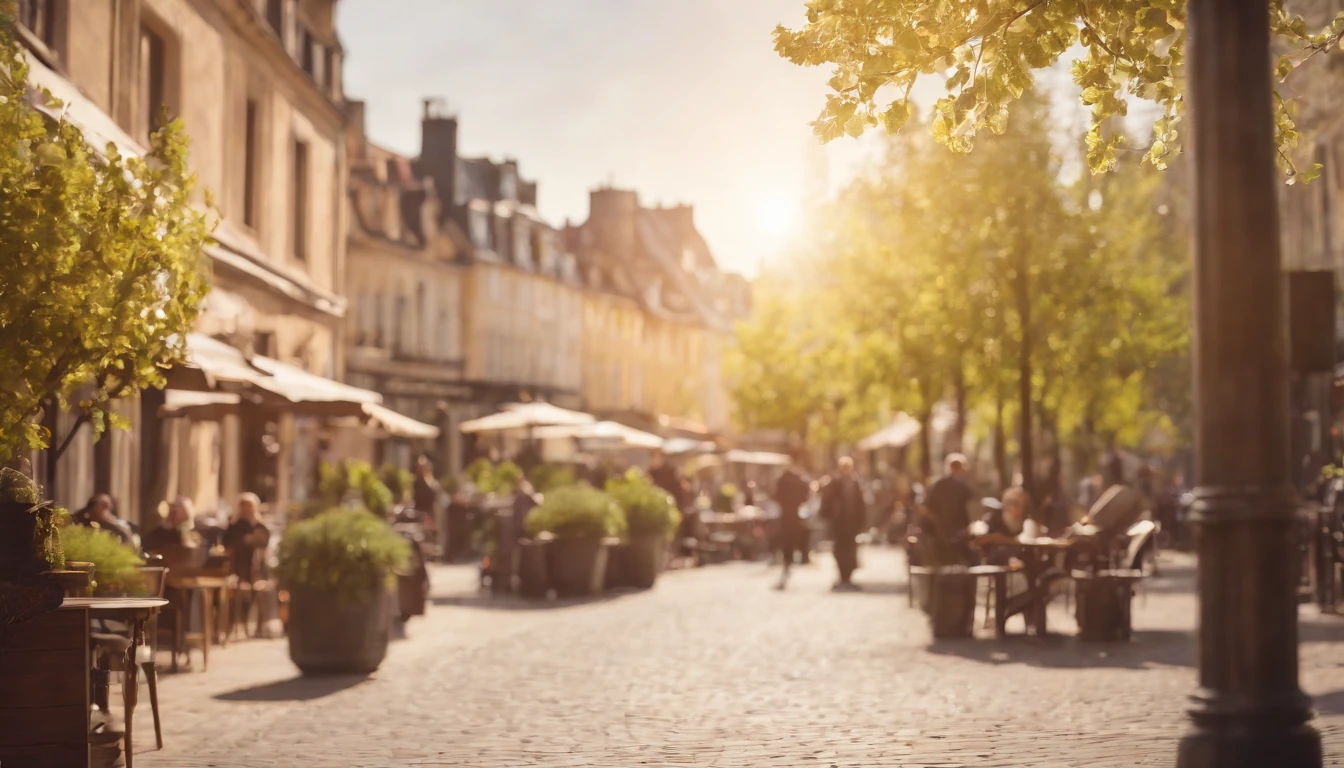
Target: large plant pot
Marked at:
577, 566
330, 635
643, 559
947, 597
18, 534
44, 693
73, 583
618, 561
533, 580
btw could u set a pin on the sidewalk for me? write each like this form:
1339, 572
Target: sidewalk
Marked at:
715, 668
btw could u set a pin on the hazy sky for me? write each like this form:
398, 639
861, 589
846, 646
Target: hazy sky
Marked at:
683, 101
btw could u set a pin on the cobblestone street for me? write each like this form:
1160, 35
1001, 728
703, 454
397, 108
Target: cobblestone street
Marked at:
715, 668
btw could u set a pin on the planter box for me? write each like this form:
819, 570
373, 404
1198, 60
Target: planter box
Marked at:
618, 562
577, 566
1104, 604
328, 635
533, 579
44, 693
18, 532
643, 559
947, 597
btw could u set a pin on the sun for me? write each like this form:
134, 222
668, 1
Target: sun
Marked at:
777, 216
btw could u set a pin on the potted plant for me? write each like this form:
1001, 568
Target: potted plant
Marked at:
115, 566
651, 520
583, 520
337, 567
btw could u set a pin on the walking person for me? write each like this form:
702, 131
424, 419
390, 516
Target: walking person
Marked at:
425, 496
792, 491
952, 504
843, 506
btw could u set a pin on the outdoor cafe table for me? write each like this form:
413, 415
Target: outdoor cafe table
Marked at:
1043, 560
134, 612
209, 586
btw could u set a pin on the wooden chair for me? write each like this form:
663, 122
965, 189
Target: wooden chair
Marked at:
156, 581
110, 645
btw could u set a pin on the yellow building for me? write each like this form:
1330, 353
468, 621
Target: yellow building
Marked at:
656, 310
257, 84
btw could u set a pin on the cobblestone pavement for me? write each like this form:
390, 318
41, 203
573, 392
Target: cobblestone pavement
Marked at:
715, 668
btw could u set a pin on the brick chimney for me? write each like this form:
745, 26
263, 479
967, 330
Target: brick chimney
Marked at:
613, 219
438, 151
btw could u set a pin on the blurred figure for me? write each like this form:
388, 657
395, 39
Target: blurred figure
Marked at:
99, 513
844, 508
666, 476
792, 491
952, 503
174, 530
245, 537
425, 496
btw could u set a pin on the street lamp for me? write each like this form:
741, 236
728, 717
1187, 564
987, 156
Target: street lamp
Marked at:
1248, 710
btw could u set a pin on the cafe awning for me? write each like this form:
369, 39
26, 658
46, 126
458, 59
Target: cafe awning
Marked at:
601, 432
762, 458
398, 425
517, 416
900, 433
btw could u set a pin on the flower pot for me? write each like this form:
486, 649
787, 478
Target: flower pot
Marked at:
643, 559
947, 597
332, 635
75, 583
19, 552
577, 565
618, 556
533, 580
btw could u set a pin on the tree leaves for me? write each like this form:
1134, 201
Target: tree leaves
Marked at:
103, 271
985, 51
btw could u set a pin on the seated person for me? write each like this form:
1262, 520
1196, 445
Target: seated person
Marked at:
98, 513
174, 530
1003, 518
245, 537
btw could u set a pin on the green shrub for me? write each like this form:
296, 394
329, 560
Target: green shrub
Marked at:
548, 477
450, 484
507, 477
648, 509
576, 511
723, 501
399, 481
346, 551
479, 469
351, 483
116, 565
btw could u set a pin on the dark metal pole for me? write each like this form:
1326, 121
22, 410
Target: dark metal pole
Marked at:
1248, 710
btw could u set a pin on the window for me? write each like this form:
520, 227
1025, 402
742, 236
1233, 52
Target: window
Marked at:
250, 138
399, 329
153, 79
480, 229
275, 16
39, 16
300, 204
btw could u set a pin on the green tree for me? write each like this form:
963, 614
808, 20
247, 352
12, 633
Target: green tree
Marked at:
986, 51
102, 272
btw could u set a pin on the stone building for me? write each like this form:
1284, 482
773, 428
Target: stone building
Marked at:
407, 266
258, 86
657, 313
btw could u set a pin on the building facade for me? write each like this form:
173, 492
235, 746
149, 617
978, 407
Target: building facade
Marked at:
257, 84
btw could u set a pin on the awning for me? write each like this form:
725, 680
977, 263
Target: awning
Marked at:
397, 425
98, 127
902, 430
309, 394
601, 431
757, 457
678, 445
517, 416
201, 406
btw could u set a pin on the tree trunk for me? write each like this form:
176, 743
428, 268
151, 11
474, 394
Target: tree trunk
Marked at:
925, 444
1000, 438
1022, 289
959, 386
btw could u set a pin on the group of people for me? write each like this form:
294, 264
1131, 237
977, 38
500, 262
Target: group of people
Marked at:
185, 538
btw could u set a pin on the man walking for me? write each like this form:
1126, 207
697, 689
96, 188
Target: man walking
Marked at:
843, 506
792, 491
951, 502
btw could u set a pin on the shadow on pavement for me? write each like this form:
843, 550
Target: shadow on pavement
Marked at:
295, 689
488, 601
1165, 648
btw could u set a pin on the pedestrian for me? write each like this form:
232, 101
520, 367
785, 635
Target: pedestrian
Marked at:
245, 537
792, 491
666, 476
844, 508
952, 504
425, 496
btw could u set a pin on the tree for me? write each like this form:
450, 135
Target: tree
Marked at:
985, 51
102, 272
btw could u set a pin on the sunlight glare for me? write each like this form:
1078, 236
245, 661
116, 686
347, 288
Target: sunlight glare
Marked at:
777, 217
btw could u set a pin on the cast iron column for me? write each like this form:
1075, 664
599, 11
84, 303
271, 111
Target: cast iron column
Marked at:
1248, 710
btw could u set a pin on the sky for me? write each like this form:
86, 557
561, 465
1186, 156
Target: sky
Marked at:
684, 101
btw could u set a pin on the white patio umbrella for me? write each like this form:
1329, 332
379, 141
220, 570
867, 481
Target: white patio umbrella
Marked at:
526, 416
899, 433
601, 431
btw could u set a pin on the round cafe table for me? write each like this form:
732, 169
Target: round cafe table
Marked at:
1041, 559
134, 611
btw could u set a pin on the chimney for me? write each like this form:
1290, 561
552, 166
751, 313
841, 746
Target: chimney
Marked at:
438, 151
354, 119
612, 217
